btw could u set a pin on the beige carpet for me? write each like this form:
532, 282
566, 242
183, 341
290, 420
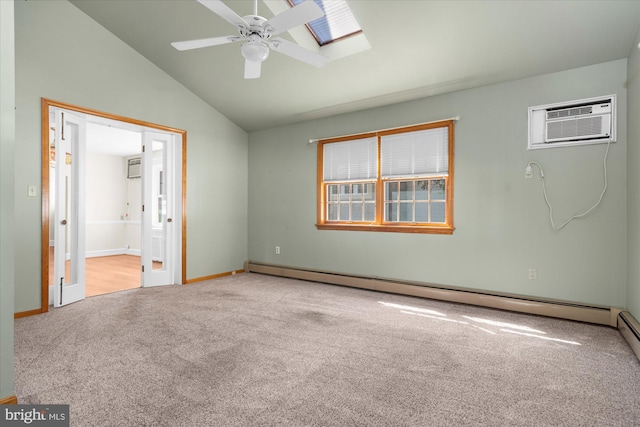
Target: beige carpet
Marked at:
254, 350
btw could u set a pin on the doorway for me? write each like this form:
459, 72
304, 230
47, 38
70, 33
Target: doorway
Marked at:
104, 154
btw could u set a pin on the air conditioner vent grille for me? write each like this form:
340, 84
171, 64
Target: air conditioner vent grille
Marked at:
569, 112
587, 126
134, 168
579, 122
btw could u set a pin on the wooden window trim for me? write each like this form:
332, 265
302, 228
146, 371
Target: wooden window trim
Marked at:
380, 225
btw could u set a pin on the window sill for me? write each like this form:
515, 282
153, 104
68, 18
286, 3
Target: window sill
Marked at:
417, 229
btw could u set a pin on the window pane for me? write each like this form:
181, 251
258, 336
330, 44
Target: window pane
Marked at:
391, 211
369, 191
406, 212
344, 212
437, 189
332, 212
333, 193
408, 165
406, 190
437, 212
422, 212
356, 192
369, 212
422, 190
344, 192
356, 211
391, 191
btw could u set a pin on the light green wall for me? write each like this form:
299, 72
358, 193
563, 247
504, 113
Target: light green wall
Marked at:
7, 144
501, 220
62, 54
633, 180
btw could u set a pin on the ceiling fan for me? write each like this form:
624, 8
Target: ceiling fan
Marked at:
257, 35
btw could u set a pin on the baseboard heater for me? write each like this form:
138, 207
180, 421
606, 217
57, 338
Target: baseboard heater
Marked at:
630, 330
544, 307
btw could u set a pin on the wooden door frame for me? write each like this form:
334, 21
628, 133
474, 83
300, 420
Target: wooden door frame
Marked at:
45, 105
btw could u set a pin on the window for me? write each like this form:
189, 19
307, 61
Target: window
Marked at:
398, 180
337, 23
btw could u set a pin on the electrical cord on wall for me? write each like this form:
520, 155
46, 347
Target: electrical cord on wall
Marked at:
546, 199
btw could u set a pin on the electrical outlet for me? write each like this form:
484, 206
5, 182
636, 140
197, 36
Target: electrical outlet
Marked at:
528, 174
533, 274
277, 250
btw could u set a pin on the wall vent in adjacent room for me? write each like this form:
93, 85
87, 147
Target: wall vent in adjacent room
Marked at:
579, 122
133, 169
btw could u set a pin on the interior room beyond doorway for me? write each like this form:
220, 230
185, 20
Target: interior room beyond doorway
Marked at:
123, 246
112, 201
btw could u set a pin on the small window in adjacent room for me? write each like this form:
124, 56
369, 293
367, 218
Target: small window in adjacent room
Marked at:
395, 180
337, 23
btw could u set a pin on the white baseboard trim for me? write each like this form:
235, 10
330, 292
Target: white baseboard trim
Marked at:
113, 222
601, 315
106, 252
112, 252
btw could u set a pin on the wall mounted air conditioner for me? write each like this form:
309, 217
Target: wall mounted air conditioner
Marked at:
579, 122
134, 168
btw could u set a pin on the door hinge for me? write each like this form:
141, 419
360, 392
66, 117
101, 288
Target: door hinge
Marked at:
142, 208
143, 147
62, 126
143, 268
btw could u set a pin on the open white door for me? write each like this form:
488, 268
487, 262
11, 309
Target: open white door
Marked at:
158, 225
69, 219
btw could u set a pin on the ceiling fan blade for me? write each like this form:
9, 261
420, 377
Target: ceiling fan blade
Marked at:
224, 11
297, 15
211, 41
252, 69
298, 52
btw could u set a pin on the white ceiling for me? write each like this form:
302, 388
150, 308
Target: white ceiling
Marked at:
113, 140
418, 48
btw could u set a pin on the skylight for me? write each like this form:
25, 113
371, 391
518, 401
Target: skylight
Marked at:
337, 23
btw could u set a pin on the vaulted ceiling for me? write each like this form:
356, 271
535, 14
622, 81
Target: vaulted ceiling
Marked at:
418, 48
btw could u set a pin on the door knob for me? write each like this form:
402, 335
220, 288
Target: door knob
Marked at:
169, 220
63, 222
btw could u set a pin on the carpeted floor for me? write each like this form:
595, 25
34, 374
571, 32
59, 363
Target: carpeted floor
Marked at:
255, 350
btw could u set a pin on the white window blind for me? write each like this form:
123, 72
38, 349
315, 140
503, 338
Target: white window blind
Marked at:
338, 21
414, 154
351, 160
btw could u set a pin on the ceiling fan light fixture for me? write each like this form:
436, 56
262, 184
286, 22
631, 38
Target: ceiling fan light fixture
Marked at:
255, 51
256, 34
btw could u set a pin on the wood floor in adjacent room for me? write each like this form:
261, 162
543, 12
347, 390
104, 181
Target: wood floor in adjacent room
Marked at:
112, 273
